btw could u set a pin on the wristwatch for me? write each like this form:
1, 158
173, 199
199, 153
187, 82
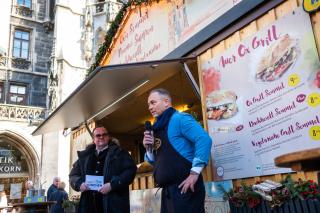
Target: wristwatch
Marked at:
193, 173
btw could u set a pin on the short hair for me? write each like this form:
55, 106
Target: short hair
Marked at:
62, 185
99, 126
162, 92
29, 184
56, 179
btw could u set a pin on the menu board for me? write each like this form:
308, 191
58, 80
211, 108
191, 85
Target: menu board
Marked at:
263, 98
151, 32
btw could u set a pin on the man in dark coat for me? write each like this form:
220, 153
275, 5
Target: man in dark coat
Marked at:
59, 196
53, 187
104, 159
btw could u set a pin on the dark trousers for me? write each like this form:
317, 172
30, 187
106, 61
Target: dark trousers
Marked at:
92, 202
172, 201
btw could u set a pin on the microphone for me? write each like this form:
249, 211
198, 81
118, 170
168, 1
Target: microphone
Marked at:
148, 127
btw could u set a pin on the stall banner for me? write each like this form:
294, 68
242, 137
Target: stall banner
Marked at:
263, 98
152, 32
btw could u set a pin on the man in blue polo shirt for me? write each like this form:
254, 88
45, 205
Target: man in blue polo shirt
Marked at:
179, 149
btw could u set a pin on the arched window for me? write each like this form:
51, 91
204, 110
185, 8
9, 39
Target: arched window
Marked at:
19, 162
12, 161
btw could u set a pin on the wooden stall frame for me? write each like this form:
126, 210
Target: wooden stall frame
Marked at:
256, 19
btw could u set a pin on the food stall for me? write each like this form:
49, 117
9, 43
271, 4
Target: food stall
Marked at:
249, 70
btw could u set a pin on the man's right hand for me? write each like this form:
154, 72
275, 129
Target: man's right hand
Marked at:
84, 187
148, 140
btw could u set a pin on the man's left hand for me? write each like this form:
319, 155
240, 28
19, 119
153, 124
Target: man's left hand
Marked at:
189, 183
105, 189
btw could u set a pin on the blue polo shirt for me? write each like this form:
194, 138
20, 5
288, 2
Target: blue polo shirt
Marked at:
189, 139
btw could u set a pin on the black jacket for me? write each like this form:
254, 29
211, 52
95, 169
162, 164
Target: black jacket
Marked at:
59, 196
119, 169
51, 189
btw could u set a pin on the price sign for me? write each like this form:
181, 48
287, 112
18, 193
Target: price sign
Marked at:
293, 80
313, 99
314, 132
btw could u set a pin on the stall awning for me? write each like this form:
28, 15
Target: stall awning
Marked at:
107, 89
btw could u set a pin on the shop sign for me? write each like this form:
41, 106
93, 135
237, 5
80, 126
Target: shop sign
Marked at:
263, 98
9, 164
311, 5
10, 168
152, 32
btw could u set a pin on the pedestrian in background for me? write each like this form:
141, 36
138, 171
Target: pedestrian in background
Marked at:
53, 187
59, 196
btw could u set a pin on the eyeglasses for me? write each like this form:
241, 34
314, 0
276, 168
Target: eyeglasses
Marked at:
101, 135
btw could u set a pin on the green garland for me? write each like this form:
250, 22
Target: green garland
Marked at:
113, 30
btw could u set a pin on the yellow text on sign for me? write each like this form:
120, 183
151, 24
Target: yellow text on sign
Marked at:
311, 5
293, 80
314, 99
314, 132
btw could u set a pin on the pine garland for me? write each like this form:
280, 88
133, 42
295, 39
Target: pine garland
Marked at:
113, 30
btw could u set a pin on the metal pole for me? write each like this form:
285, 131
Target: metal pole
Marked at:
191, 79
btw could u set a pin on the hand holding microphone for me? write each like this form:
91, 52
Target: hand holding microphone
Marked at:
148, 139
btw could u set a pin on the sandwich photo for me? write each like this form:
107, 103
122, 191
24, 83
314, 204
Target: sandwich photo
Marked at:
221, 105
277, 59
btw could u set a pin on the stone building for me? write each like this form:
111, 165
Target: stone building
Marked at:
25, 49
46, 46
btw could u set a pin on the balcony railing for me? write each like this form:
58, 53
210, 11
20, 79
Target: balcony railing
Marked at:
32, 115
23, 11
20, 63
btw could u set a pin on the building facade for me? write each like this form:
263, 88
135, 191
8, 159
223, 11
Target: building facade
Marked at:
46, 46
25, 49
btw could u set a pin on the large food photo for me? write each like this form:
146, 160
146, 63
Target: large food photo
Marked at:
277, 59
221, 105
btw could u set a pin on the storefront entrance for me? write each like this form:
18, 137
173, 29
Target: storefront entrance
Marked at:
18, 163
